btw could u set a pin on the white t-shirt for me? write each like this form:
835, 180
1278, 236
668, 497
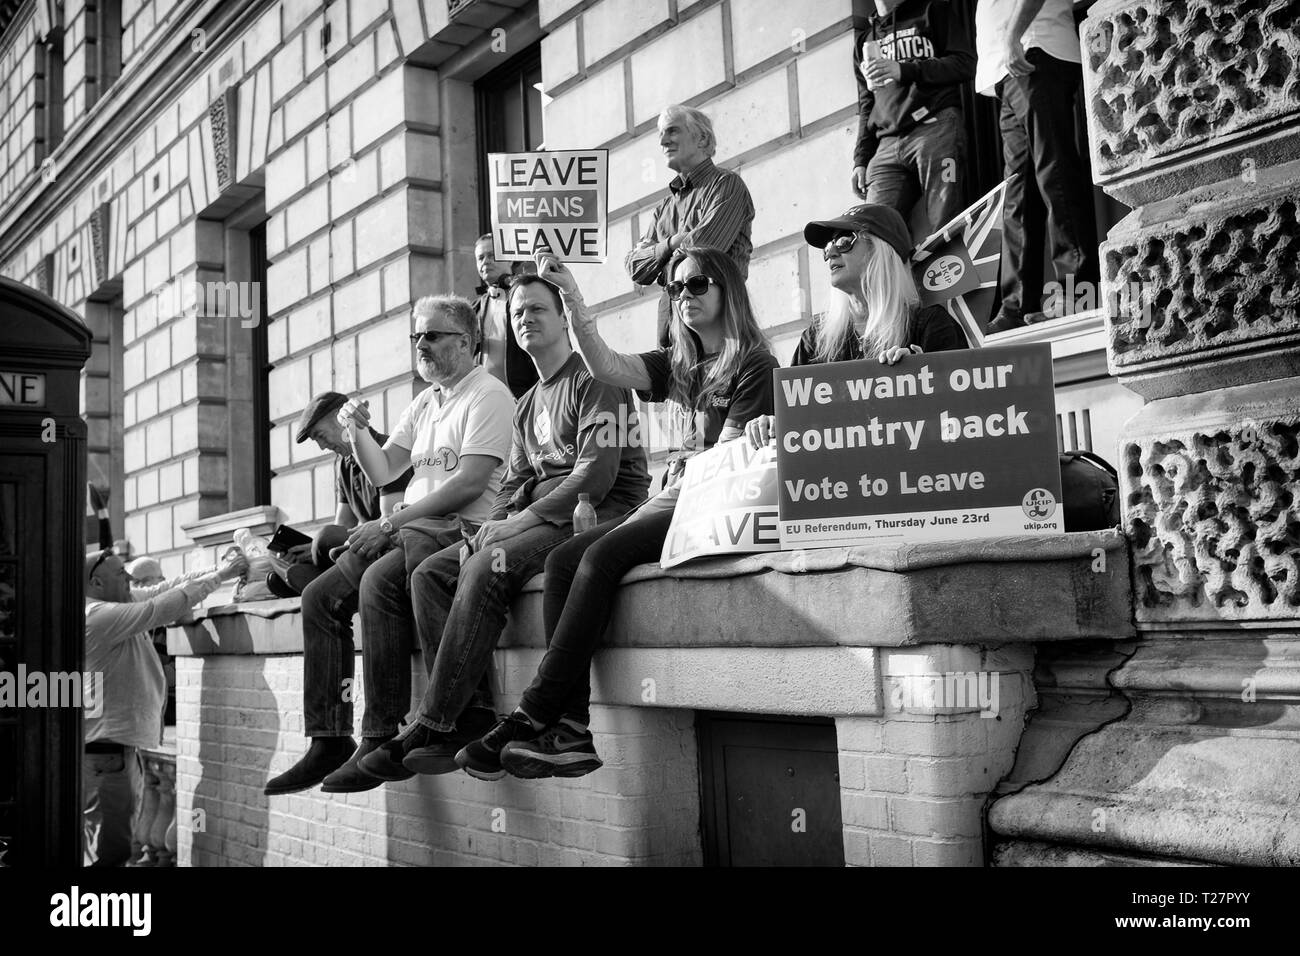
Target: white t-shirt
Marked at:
1051, 31
443, 425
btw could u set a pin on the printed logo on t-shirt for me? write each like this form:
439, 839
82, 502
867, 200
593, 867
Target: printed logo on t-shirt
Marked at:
444, 459
542, 425
904, 44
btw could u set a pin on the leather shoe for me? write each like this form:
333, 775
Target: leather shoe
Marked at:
323, 757
385, 763
350, 778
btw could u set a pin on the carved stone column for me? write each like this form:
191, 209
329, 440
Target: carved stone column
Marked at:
1194, 120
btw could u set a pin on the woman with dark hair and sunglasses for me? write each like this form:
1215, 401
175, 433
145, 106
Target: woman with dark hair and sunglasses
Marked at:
875, 310
716, 376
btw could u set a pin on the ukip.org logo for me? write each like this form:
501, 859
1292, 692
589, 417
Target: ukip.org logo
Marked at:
944, 273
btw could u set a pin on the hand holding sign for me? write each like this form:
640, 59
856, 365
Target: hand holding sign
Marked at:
550, 268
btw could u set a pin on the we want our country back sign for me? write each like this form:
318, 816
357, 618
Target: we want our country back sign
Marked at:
942, 445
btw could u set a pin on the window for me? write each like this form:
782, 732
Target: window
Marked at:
103, 47
49, 90
509, 105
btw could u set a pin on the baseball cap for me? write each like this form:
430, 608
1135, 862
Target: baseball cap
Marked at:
884, 222
320, 406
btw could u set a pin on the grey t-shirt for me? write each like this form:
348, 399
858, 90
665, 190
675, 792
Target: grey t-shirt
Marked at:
573, 434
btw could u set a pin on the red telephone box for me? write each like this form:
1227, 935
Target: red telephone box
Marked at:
43, 347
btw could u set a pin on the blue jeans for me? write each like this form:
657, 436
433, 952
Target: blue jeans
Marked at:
461, 611
926, 162
581, 583
380, 588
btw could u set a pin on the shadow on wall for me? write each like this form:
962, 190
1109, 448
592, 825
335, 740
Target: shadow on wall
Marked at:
239, 722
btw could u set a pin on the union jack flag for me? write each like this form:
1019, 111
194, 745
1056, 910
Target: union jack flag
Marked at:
957, 267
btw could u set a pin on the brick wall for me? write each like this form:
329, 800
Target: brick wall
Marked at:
239, 721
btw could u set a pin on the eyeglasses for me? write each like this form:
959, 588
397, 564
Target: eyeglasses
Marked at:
433, 335
695, 285
840, 244
103, 556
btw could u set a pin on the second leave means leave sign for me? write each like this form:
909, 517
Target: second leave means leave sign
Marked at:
554, 200
942, 445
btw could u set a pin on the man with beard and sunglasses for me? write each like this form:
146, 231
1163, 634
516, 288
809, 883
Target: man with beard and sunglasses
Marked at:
564, 447
455, 436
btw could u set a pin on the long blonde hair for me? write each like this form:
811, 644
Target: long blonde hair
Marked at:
693, 387
885, 302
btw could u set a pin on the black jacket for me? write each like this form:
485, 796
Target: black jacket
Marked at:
934, 54
930, 327
521, 373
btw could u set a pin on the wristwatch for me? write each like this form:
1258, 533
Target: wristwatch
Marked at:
386, 527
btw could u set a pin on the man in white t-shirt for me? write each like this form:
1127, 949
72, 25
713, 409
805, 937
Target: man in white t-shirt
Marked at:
1029, 58
455, 436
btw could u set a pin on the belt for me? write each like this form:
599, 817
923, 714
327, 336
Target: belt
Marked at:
105, 747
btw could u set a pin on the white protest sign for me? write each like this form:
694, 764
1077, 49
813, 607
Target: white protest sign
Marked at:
727, 505
556, 200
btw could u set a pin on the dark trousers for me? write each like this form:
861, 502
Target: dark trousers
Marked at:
1052, 194
582, 578
926, 162
381, 590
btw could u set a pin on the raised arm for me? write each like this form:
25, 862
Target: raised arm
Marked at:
604, 364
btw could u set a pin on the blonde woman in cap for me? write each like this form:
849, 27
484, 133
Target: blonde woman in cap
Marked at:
875, 310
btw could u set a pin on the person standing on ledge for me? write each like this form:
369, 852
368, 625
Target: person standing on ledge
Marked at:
500, 352
1029, 58
119, 645
910, 59
706, 206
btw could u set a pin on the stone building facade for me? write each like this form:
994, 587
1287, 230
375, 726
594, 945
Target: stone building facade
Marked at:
308, 169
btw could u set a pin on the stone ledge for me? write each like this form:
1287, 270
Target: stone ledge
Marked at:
1002, 590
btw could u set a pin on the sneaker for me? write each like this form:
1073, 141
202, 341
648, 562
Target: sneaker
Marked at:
432, 751
350, 778
482, 757
561, 750
323, 757
384, 762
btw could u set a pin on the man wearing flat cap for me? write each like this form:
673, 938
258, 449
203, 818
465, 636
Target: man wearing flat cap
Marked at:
358, 500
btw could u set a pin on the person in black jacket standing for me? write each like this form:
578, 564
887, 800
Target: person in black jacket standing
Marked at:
910, 59
499, 353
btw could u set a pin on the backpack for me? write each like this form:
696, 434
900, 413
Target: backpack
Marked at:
1089, 492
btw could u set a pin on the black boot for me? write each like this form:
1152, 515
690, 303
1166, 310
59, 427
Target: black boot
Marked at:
350, 778
323, 757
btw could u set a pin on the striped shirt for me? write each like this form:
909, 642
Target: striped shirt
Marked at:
706, 206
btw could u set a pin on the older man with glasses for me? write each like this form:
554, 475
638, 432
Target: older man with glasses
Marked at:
129, 717
455, 436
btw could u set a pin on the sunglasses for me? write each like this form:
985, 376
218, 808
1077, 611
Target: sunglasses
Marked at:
433, 335
695, 285
103, 556
840, 244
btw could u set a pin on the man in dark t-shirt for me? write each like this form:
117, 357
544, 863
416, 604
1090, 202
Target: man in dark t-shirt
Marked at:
357, 499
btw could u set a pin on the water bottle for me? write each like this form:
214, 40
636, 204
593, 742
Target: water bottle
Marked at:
584, 516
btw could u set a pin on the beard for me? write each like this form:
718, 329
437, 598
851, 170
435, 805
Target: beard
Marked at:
435, 368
